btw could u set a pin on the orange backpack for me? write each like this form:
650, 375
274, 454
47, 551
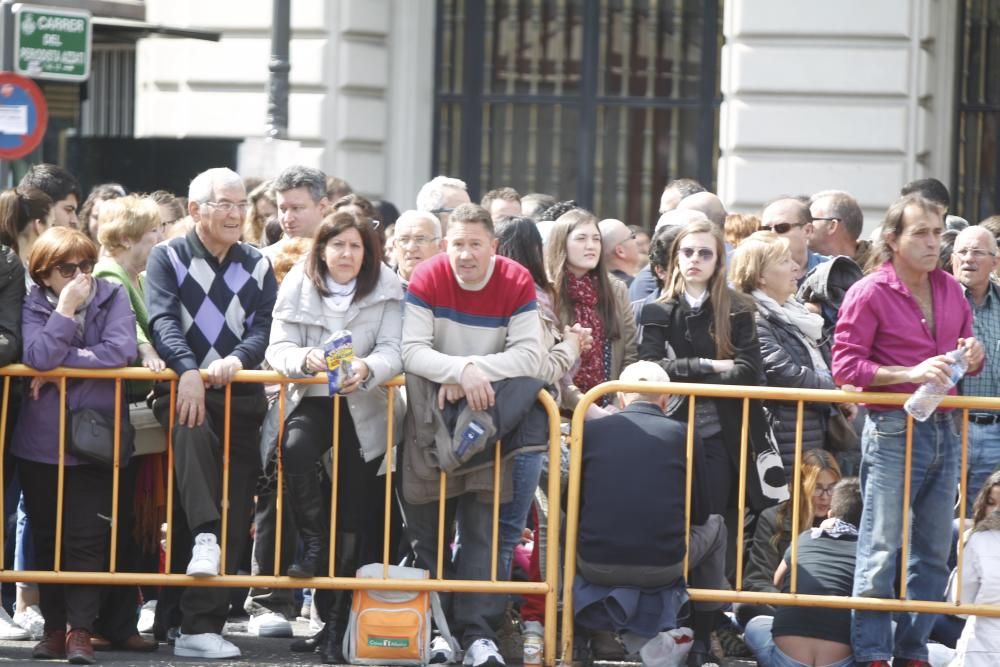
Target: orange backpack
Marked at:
393, 627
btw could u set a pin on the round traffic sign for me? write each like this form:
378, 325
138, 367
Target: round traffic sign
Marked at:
23, 116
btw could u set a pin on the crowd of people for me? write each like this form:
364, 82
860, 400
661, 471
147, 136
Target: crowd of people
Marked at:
481, 306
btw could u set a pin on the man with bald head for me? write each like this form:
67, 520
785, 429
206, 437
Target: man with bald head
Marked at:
707, 203
621, 254
790, 218
974, 259
418, 237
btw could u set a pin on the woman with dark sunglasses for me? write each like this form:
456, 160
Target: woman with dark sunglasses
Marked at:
70, 319
701, 331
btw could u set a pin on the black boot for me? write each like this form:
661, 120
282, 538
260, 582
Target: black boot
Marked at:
339, 612
306, 502
309, 644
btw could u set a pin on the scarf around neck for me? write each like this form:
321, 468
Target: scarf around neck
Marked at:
835, 528
808, 326
341, 296
582, 293
80, 314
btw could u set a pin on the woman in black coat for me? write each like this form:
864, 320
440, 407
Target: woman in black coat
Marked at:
794, 350
702, 331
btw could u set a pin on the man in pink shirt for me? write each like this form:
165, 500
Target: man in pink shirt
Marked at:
893, 330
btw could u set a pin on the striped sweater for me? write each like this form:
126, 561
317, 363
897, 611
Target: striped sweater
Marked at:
448, 325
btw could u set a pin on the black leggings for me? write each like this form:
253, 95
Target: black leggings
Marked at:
360, 491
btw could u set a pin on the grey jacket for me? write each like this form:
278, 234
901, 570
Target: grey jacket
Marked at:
375, 323
787, 364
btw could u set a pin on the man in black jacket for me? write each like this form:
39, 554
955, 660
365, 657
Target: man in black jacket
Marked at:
632, 504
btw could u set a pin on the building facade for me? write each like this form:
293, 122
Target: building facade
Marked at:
600, 100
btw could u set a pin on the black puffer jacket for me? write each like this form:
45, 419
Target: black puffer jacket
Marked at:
787, 364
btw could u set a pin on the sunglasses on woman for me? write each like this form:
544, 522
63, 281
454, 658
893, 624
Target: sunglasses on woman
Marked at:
704, 254
69, 269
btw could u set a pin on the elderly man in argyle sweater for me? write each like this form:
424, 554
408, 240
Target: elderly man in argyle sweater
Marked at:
210, 299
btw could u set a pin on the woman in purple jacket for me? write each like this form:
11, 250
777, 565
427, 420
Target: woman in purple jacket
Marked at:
70, 319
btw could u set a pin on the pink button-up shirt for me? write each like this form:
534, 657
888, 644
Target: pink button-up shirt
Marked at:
880, 324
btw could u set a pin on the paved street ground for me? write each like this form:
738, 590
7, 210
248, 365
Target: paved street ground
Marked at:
256, 651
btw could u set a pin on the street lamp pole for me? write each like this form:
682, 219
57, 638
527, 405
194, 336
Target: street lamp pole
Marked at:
279, 66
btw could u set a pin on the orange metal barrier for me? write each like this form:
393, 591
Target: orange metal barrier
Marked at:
800, 397
548, 587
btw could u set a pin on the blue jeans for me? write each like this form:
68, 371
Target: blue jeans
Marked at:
934, 476
984, 457
760, 642
526, 472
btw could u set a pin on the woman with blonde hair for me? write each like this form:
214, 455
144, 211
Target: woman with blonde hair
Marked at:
263, 207
128, 228
794, 351
588, 295
818, 474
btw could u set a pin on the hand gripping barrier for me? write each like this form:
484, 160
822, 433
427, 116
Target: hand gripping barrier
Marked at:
548, 587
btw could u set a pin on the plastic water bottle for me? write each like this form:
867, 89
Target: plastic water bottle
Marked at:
928, 396
533, 643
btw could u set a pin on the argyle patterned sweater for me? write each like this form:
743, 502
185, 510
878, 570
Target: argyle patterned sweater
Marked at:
201, 309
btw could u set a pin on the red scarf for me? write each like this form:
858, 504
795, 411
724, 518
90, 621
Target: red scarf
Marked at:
582, 293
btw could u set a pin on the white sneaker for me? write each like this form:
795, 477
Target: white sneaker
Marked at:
483, 653
205, 645
204, 557
31, 620
10, 630
442, 652
271, 624
147, 617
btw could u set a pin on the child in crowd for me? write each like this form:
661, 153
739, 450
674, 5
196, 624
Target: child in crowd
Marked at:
980, 583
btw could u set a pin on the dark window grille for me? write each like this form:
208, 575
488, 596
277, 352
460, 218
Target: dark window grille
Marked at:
975, 175
602, 101
109, 108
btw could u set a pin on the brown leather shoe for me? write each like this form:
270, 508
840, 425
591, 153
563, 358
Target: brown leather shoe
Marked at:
52, 646
100, 642
78, 648
137, 644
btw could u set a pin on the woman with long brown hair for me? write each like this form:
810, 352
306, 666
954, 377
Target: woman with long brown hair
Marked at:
586, 294
700, 330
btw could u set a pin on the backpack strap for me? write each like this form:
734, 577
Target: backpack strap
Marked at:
442, 624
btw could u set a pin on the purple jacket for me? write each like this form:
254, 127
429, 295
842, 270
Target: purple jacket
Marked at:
50, 340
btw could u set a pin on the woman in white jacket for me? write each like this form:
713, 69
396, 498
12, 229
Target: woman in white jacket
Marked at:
979, 645
341, 284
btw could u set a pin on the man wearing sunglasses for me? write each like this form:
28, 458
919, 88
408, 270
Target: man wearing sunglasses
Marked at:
837, 222
790, 218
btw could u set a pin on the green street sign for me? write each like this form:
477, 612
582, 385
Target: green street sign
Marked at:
51, 43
